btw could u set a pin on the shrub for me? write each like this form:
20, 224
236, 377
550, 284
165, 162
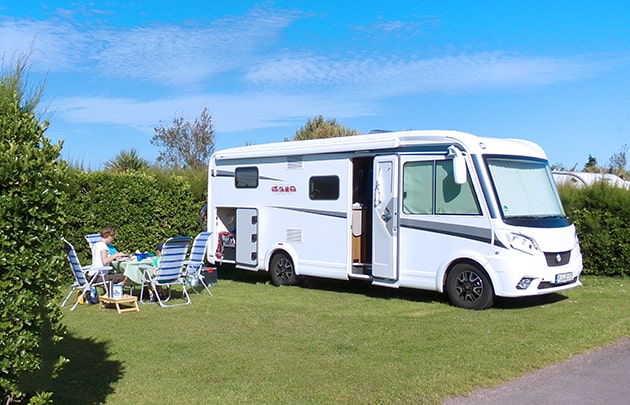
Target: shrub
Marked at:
144, 207
31, 214
601, 214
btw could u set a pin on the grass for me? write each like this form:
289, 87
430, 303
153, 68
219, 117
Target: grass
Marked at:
326, 342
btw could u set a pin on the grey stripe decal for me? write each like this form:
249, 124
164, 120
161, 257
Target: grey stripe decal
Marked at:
460, 231
335, 214
227, 173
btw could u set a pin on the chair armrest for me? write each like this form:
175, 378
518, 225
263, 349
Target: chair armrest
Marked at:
101, 269
147, 272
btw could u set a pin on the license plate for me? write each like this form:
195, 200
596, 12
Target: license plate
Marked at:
564, 278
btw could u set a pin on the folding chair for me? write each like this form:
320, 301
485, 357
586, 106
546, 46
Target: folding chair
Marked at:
169, 270
194, 264
92, 239
82, 282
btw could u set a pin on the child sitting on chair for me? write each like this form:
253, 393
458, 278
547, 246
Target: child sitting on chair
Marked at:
101, 255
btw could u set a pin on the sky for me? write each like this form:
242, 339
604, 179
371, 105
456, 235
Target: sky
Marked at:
553, 72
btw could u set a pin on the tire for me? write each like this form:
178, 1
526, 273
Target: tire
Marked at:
469, 287
282, 270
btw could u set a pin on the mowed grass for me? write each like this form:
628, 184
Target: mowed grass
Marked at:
326, 342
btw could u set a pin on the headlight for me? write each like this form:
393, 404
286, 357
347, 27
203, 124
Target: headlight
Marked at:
523, 243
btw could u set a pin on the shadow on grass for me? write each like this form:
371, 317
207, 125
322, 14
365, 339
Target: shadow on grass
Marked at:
87, 378
341, 286
228, 272
528, 302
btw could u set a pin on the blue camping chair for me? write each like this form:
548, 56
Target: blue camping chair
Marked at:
92, 239
168, 271
85, 277
194, 266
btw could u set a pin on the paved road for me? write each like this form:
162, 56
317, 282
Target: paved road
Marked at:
598, 377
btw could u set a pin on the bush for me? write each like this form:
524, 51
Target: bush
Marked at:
145, 208
31, 215
601, 214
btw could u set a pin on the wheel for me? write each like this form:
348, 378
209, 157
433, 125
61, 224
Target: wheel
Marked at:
282, 270
469, 287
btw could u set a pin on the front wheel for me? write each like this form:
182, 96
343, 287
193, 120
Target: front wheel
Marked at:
469, 287
282, 270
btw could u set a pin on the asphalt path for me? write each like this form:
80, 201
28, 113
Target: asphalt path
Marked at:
600, 376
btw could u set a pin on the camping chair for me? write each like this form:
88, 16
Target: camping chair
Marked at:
92, 239
83, 282
169, 270
194, 264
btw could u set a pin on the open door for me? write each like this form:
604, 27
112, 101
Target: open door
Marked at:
385, 218
247, 237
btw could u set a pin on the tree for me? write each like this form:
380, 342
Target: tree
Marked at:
319, 127
32, 179
127, 161
185, 144
618, 161
591, 165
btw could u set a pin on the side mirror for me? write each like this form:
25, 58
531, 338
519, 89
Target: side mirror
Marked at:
459, 165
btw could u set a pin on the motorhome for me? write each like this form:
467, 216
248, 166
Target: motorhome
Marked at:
476, 218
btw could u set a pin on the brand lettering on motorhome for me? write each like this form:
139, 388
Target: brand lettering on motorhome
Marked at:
283, 189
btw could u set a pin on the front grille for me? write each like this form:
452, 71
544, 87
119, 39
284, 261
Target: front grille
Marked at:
557, 258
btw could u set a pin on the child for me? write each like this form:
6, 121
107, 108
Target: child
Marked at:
101, 255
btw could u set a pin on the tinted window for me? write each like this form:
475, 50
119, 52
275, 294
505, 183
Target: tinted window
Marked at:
323, 188
246, 177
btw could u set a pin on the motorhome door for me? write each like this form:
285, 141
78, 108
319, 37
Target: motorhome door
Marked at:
247, 237
385, 218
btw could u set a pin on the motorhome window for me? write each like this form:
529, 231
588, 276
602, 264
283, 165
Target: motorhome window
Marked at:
246, 177
418, 188
323, 188
525, 188
450, 197
429, 188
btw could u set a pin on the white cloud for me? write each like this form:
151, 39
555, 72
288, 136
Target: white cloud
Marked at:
168, 54
53, 45
231, 113
396, 76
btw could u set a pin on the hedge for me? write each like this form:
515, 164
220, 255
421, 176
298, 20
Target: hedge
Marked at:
145, 208
31, 255
601, 214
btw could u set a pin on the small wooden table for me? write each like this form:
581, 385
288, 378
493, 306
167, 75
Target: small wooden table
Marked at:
126, 299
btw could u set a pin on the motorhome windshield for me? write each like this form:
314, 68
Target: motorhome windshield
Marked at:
526, 192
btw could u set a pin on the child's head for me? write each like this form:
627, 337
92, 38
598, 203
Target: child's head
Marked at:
159, 247
108, 231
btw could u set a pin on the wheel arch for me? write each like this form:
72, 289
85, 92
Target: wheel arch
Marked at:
280, 247
465, 260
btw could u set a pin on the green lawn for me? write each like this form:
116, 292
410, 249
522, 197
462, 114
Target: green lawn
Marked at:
327, 342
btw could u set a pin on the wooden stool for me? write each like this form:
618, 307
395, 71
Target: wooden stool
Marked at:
126, 299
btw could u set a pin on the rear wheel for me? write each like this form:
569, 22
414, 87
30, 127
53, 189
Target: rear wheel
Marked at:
282, 270
469, 287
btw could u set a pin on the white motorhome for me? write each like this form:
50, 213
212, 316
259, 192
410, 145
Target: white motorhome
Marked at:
437, 210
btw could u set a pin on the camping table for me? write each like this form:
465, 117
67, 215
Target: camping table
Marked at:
131, 268
126, 299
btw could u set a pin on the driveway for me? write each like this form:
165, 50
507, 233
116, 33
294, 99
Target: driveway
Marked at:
598, 377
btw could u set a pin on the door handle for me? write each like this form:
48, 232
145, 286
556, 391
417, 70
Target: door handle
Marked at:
386, 215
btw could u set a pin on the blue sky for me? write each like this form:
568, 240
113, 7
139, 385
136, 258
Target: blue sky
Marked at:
553, 72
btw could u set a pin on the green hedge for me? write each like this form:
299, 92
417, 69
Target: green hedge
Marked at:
145, 208
601, 214
31, 255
